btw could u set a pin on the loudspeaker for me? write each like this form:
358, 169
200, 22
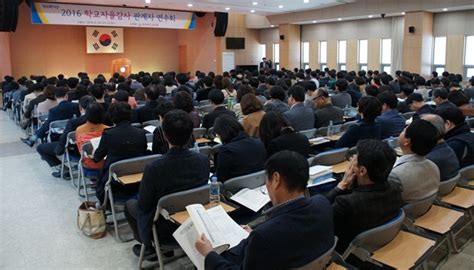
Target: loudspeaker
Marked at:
221, 23
282, 37
411, 29
200, 14
8, 15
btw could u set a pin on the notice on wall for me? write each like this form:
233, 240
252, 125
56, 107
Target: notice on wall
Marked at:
228, 61
70, 14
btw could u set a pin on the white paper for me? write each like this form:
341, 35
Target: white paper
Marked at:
149, 146
186, 236
251, 199
150, 128
318, 170
95, 143
329, 180
318, 140
216, 224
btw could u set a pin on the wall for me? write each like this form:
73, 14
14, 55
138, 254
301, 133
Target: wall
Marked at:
5, 61
50, 50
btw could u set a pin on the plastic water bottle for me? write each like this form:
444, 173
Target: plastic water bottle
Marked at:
229, 103
214, 192
330, 129
196, 148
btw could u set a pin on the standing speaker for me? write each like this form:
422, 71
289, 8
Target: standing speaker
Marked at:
221, 23
8, 15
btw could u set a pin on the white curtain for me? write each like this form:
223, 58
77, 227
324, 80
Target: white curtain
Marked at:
397, 42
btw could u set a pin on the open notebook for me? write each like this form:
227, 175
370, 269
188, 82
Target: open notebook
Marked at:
216, 224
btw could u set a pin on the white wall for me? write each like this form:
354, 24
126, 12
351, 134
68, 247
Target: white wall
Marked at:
360, 29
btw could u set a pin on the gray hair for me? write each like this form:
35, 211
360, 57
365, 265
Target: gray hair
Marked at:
436, 121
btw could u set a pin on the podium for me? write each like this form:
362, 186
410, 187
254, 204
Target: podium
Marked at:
122, 66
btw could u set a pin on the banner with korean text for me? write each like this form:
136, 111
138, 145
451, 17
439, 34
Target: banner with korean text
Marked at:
104, 40
69, 14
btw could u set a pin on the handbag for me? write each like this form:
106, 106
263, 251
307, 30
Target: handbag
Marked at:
91, 220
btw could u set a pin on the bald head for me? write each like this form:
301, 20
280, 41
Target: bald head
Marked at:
438, 122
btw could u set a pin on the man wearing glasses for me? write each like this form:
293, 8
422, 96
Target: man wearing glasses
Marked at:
325, 111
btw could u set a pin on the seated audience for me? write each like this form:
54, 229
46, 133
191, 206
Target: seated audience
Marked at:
406, 90
63, 111
92, 128
459, 99
49, 152
277, 135
228, 89
391, 122
50, 101
184, 101
325, 111
203, 94
300, 117
284, 240
364, 199
164, 176
417, 176
242, 91
240, 154
39, 97
123, 141
341, 99
440, 98
366, 128
277, 101
217, 99
469, 90
148, 111
97, 91
417, 104
253, 114
353, 90
442, 155
458, 135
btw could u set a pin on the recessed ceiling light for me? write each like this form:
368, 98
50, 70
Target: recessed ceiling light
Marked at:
339, 19
370, 16
254, 3
147, 1
306, 1
190, 5
252, 11
227, 8
403, 13
280, 6
315, 21
272, 25
445, 9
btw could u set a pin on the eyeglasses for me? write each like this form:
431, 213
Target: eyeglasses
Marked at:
315, 98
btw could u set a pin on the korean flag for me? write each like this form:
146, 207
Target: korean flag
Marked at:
104, 40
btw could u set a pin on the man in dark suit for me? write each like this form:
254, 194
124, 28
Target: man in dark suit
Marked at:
297, 230
64, 110
440, 98
165, 176
216, 97
49, 152
148, 111
265, 64
300, 117
416, 103
203, 94
364, 199
325, 111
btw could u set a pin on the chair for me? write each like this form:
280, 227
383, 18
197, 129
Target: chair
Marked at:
417, 209
66, 158
234, 185
56, 127
203, 110
210, 133
470, 122
149, 137
322, 261
408, 115
199, 132
309, 133
168, 205
155, 123
467, 177
204, 102
87, 150
138, 125
447, 186
347, 125
331, 157
369, 241
121, 168
205, 150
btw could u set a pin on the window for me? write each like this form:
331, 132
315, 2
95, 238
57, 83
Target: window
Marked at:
263, 51
439, 54
386, 55
276, 56
305, 58
341, 54
469, 57
323, 54
362, 55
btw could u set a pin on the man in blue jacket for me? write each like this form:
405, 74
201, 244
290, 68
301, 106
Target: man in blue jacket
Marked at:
297, 231
391, 122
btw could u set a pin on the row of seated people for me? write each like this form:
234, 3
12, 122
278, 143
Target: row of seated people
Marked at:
125, 137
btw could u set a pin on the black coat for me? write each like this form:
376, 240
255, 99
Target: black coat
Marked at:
146, 113
289, 140
70, 126
208, 120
